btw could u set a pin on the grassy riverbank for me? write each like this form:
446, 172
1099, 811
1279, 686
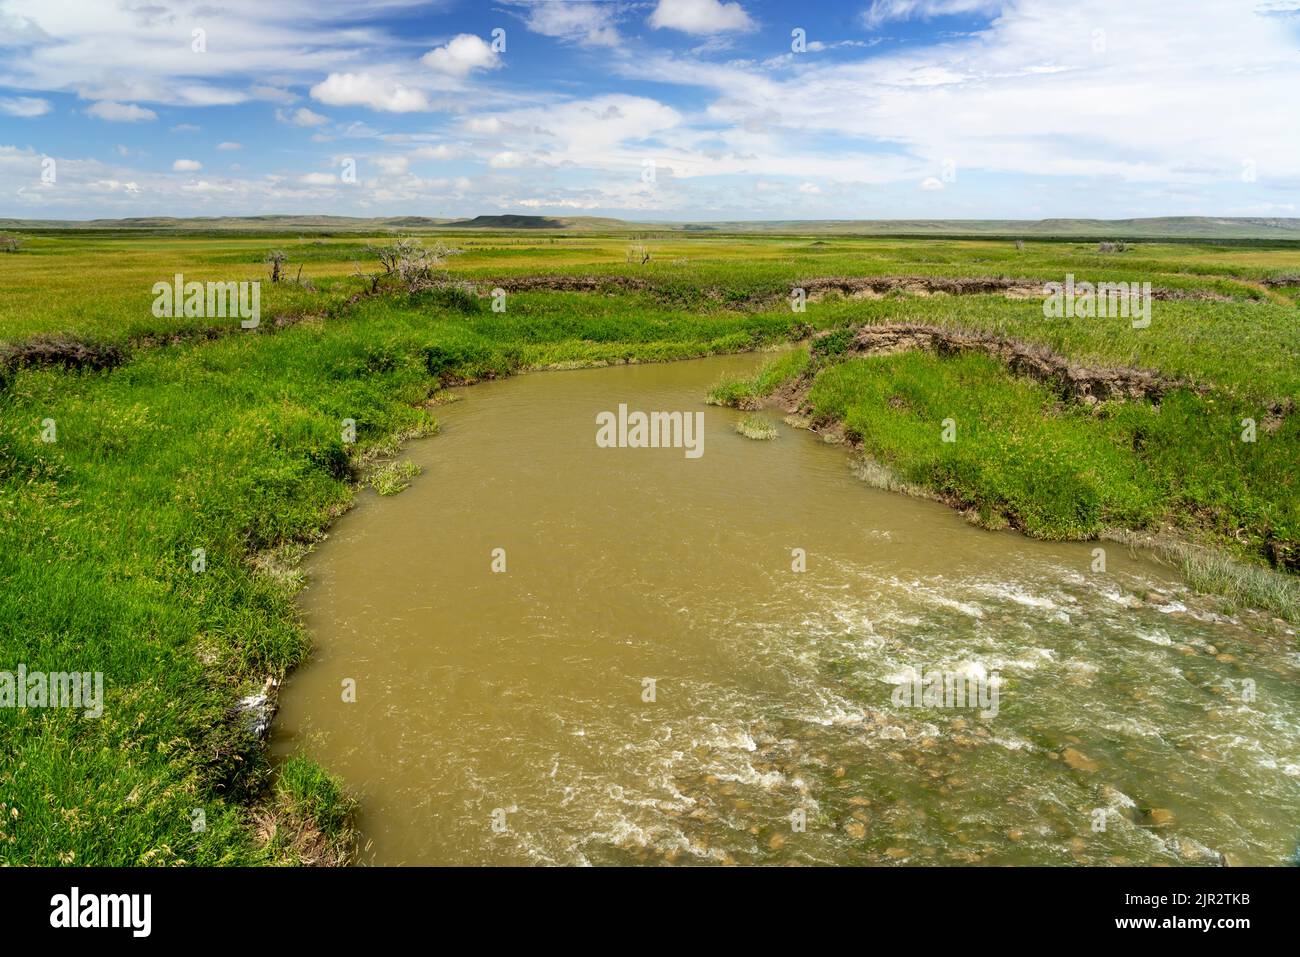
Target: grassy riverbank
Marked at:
199, 435
1010, 451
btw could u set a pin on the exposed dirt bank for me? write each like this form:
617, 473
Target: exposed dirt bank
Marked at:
818, 287
69, 353
1087, 384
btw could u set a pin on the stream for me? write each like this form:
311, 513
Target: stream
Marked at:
643, 674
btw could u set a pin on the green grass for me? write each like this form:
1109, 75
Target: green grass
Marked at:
1013, 455
100, 286
1248, 349
744, 392
1247, 586
234, 447
237, 446
310, 819
1059, 470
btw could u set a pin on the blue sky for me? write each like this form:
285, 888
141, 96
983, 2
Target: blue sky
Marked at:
653, 110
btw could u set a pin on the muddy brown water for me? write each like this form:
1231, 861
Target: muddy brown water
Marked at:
503, 717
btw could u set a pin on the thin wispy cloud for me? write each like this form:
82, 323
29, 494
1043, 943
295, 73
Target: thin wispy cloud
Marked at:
577, 21
884, 11
25, 106
120, 112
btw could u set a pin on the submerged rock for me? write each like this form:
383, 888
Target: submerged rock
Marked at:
1079, 761
1160, 817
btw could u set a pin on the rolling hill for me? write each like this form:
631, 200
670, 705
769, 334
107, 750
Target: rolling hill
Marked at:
1167, 227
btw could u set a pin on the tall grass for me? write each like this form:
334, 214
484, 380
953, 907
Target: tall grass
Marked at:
1060, 470
1248, 586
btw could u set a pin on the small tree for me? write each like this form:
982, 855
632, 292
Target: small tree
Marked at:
9, 243
276, 258
416, 266
638, 253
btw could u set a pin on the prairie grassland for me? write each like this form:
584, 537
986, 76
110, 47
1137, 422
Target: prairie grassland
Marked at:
234, 445
100, 286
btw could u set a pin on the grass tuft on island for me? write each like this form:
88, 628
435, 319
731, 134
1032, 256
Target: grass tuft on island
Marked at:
756, 427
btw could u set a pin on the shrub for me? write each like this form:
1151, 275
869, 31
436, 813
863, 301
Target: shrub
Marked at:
833, 344
457, 297
332, 459
442, 360
416, 266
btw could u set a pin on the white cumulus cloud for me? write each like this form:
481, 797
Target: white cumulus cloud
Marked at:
461, 55
25, 106
440, 152
700, 16
363, 89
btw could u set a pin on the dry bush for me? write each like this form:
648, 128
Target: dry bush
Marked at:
412, 263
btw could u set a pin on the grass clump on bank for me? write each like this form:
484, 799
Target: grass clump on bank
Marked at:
1014, 456
1245, 586
747, 393
310, 819
393, 477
